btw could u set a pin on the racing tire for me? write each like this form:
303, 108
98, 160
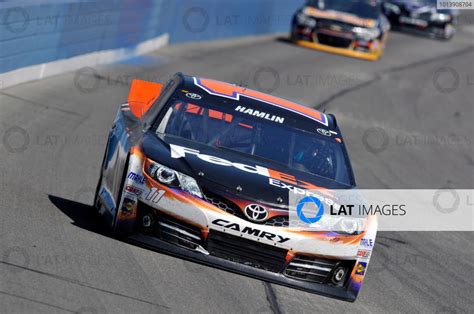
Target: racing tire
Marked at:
293, 36
448, 32
116, 232
99, 182
109, 228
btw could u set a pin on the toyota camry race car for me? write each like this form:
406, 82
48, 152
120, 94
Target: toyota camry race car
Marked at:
355, 28
204, 170
421, 17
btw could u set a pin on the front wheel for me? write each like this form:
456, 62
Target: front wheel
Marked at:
97, 204
106, 219
293, 34
448, 31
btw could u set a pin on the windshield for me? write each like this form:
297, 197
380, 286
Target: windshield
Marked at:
368, 9
296, 149
425, 1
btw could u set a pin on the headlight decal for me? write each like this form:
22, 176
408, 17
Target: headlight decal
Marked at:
172, 178
304, 20
366, 33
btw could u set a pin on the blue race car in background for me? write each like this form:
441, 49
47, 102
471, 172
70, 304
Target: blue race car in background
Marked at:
421, 17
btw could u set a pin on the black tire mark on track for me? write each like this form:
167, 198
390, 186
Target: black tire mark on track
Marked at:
378, 76
36, 301
82, 284
29, 102
272, 298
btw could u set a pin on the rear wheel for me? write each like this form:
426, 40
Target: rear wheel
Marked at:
314, 36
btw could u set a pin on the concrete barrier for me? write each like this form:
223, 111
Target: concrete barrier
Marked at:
40, 40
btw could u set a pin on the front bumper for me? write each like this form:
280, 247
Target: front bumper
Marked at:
370, 56
190, 233
196, 229
444, 31
210, 260
343, 43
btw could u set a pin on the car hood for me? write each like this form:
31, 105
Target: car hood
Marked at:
339, 16
227, 173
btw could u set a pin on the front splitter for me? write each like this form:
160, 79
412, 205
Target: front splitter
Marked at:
370, 56
216, 262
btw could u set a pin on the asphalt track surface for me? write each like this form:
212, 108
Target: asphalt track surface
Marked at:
395, 114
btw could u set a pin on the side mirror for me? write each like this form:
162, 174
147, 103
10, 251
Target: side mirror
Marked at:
142, 95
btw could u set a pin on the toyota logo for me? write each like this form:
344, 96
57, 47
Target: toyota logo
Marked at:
256, 212
193, 96
324, 132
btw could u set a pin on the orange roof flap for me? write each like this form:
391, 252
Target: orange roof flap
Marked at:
142, 95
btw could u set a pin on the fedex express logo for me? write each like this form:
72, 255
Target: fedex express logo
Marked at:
276, 178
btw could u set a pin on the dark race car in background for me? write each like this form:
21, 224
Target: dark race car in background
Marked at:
356, 28
421, 17
204, 170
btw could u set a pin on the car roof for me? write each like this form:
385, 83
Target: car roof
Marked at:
234, 92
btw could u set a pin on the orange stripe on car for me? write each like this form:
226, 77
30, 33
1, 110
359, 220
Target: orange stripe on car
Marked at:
335, 15
234, 92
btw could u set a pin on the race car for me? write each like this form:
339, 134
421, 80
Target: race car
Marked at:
204, 170
421, 17
355, 28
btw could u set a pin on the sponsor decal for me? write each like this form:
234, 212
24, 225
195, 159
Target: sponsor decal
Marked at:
134, 190
363, 254
128, 205
155, 195
300, 191
335, 27
324, 132
256, 212
276, 178
360, 268
194, 96
136, 178
260, 114
367, 242
255, 232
